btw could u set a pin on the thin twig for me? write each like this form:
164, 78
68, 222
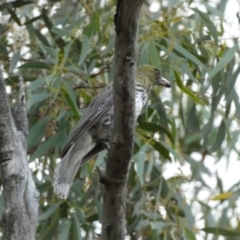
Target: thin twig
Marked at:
91, 87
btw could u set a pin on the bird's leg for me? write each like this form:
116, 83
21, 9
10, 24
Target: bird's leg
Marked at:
102, 177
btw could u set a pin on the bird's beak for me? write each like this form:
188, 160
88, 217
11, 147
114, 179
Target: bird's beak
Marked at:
164, 82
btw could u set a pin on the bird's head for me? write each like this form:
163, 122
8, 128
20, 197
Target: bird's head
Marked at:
153, 75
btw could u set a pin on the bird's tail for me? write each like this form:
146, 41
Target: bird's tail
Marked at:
66, 170
64, 174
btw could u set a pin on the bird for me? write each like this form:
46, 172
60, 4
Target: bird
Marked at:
93, 132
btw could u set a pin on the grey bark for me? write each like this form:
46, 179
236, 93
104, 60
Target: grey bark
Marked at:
119, 158
19, 191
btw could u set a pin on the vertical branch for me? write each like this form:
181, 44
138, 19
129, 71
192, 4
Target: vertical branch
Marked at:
118, 163
19, 191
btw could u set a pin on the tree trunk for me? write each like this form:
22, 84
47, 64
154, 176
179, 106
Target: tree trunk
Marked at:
19, 191
119, 158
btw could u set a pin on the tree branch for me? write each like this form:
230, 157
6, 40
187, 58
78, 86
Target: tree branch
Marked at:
118, 163
20, 112
19, 191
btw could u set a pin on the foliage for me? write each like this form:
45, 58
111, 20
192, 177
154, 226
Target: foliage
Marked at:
64, 51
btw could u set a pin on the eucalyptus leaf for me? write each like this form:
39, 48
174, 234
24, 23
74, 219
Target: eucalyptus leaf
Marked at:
49, 212
65, 228
36, 132
85, 49
153, 54
221, 231
220, 137
42, 65
227, 57
14, 61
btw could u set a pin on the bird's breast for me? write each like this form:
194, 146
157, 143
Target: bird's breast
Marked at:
102, 129
140, 101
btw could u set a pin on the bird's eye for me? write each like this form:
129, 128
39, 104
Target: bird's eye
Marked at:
157, 72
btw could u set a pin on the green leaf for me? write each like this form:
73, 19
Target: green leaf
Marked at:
34, 19
216, 99
160, 109
221, 231
36, 65
61, 32
230, 84
49, 212
143, 59
49, 79
71, 100
35, 85
45, 146
170, 149
3, 49
15, 4
153, 54
14, 61
203, 39
51, 227
187, 55
152, 127
186, 90
41, 37
140, 163
36, 98
56, 85
77, 226
84, 49
67, 49
93, 26
220, 137
15, 79
160, 148
186, 70
134, 223
108, 50
189, 234
210, 25
36, 132
64, 229
228, 56
160, 225
48, 22
193, 122
174, 209
2, 207
165, 189
14, 16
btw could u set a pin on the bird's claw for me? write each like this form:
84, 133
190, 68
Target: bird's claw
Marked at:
106, 145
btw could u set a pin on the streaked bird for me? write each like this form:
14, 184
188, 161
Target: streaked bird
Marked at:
93, 133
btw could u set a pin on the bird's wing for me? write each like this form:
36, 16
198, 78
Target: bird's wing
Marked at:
97, 108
